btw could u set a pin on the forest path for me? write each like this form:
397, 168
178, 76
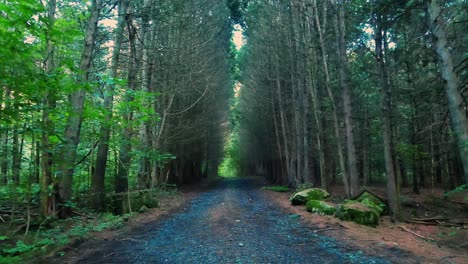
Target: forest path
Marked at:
231, 223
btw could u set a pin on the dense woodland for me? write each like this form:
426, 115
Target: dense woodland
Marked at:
354, 93
107, 96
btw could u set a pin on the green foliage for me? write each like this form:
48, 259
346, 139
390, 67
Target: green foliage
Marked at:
317, 194
20, 247
9, 259
277, 188
408, 151
11, 192
231, 163
110, 221
459, 189
60, 235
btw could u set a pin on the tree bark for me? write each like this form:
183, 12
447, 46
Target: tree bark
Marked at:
386, 110
124, 161
295, 161
73, 127
366, 179
336, 125
346, 95
144, 172
4, 136
48, 103
349, 124
16, 155
455, 100
98, 177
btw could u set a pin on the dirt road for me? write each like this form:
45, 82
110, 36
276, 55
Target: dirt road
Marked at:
231, 223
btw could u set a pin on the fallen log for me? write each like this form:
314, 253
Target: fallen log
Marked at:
415, 221
430, 218
416, 234
438, 220
458, 221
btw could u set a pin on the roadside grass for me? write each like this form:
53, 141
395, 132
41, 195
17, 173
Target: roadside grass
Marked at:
277, 188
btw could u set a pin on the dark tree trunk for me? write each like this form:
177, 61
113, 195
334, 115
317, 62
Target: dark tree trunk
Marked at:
98, 177
386, 115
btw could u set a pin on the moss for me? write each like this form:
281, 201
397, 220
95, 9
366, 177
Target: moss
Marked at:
357, 212
320, 207
371, 205
302, 197
372, 201
317, 194
277, 188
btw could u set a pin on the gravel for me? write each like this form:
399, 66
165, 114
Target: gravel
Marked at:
231, 223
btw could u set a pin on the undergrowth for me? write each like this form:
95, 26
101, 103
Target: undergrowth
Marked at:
59, 234
50, 235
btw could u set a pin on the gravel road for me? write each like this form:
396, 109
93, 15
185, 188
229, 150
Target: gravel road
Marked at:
231, 223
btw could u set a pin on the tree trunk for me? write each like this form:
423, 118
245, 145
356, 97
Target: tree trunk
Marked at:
455, 100
16, 155
277, 135
386, 110
346, 95
365, 149
336, 125
4, 141
73, 127
48, 103
295, 139
98, 177
283, 120
124, 161
306, 104
144, 172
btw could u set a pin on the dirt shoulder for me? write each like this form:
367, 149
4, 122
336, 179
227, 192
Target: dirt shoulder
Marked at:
387, 235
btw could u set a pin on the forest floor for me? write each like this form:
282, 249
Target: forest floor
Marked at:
237, 222
435, 243
52, 238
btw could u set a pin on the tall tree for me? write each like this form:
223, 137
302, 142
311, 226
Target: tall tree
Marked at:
66, 165
98, 177
340, 31
380, 38
47, 203
456, 104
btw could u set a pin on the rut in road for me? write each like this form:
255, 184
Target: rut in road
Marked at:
231, 223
